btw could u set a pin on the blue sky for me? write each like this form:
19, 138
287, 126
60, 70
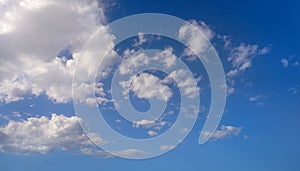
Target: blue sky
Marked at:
257, 43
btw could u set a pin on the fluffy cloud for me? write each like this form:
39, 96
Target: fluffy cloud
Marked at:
135, 60
31, 35
147, 85
184, 81
223, 132
43, 135
198, 41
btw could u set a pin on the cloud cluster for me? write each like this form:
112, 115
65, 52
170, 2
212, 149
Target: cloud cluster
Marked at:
146, 85
43, 135
134, 60
31, 35
241, 58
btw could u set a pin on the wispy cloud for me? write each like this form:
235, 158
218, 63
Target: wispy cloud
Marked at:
223, 132
285, 62
241, 57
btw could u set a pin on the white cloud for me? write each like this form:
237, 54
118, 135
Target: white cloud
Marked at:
241, 57
184, 130
229, 90
151, 133
198, 41
155, 124
135, 59
226, 39
147, 85
141, 40
166, 147
133, 62
144, 123
223, 132
131, 153
184, 81
166, 56
264, 51
256, 98
285, 62
35, 31
43, 135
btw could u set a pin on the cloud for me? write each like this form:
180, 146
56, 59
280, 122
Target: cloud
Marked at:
155, 124
285, 62
151, 133
184, 130
131, 153
256, 98
132, 63
145, 86
141, 40
241, 57
198, 41
166, 147
135, 60
223, 132
184, 81
32, 33
43, 135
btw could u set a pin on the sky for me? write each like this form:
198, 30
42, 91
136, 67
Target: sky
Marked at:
43, 43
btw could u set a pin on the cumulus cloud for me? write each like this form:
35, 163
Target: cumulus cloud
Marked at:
223, 132
184, 81
135, 60
43, 135
197, 40
146, 86
32, 33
